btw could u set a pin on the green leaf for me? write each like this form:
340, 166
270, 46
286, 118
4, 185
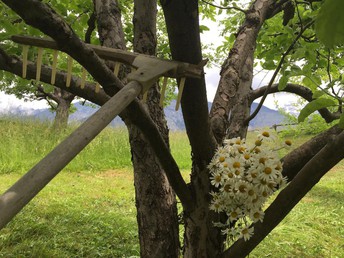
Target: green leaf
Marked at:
282, 83
203, 28
329, 23
318, 94
314, 106
341, 121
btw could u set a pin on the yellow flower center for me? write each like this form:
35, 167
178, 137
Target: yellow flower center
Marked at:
225, 164
236, 164
222, 159
262, 160
244, 231
230, 175
288, 142
227, 188
234, 214
257, 150
267, 170
217, 178
247, 156
253, 174
238, 141
241, 149
256, 215
242, 188
237, 172
266, 134
258, 142
250, 192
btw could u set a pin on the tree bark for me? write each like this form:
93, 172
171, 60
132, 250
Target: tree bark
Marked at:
231, 105
201, 238
64, 100
155, 200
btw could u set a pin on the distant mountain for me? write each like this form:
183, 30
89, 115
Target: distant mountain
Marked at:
265, 118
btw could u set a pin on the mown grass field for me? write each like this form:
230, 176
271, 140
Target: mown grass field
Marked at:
88, 210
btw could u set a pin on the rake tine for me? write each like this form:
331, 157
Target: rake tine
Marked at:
25, 53
39, 63
97, 87
53, 71
180, 92
69, 71
116, 69
144, 97
83, 78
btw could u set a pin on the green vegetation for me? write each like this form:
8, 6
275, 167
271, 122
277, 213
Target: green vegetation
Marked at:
25, 142
88, 210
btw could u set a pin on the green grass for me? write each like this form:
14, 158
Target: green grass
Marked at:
25, 142
76, 215
315, 227
88, 210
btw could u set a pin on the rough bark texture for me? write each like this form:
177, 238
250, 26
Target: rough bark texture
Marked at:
155, 200
64, 100
201, 239
156, 203
231, 104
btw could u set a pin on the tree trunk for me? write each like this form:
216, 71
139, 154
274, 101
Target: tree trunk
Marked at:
201, 238
64, 100
231, 104
155, 200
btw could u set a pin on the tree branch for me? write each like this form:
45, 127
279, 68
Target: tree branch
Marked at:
236, 76
303, 182
279, 66
46, 95
297, 89
294, 161
91, 26
225, 7
182, 23
49, 22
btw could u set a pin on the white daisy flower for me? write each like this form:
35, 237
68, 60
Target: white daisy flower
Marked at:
216, 179
246, 233
257, 215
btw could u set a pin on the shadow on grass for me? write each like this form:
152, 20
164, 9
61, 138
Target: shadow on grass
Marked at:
58, 231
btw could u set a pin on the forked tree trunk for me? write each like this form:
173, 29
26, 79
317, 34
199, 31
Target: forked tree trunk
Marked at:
155, 200
64, 100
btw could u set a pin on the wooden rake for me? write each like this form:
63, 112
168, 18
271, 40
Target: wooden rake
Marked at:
147, 71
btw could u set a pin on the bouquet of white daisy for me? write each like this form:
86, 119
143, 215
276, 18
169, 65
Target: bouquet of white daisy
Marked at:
244, 177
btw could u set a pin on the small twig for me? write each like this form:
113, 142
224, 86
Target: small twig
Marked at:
279, 66
298, 14
91, 26
225, 8
328, 69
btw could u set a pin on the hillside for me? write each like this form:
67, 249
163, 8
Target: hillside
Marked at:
266, 117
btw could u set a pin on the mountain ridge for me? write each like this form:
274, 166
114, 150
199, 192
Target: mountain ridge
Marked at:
265, 118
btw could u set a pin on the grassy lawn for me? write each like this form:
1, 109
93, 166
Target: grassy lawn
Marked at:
76, 215
88, 210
